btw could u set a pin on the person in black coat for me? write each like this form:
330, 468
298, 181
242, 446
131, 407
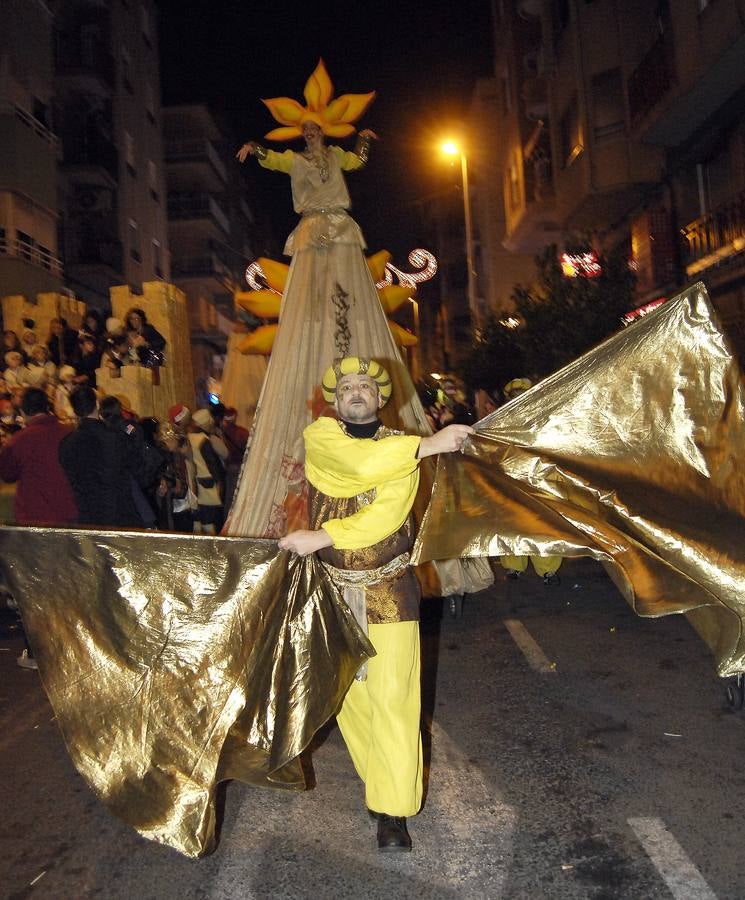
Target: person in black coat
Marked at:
62, 343
148, 342
100, 464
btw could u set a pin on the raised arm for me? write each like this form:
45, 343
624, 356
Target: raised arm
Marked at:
268, 159
357, 159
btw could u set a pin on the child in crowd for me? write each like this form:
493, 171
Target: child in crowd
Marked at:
16, 374
62, 406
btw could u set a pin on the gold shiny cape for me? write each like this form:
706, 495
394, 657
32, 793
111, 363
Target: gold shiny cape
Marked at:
173, 662
634, 454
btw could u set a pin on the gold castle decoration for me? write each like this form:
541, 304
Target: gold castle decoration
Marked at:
151, 392
267, 279
41, 309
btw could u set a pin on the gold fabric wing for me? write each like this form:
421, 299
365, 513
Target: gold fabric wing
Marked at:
173, 662
633, 454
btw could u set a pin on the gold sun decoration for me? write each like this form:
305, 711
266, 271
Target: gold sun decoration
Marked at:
333, 117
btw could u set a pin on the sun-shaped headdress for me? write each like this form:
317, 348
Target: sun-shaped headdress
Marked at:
334, 117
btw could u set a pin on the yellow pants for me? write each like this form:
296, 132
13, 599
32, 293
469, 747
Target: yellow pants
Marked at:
380, 721
543, 565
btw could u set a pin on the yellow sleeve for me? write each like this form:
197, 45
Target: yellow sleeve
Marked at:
347, 160
385, 515
278, 162
342, 466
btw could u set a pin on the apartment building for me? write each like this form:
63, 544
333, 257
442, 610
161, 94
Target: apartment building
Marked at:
29, 257
211, 227
112, 198
621, 124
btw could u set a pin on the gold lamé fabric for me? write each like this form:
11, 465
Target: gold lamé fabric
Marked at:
391, 600
634, 454
173, 662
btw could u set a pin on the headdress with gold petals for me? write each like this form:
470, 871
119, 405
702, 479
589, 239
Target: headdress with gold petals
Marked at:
333, 117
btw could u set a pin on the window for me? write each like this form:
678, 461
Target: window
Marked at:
152, 180
505, 89
45, 256
607, 98
571, 135
25, 245
150, 102
134, 241
146, 28
127, 71
129, 154
157, 258
513, 175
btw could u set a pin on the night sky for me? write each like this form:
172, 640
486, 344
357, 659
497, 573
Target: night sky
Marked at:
422, 59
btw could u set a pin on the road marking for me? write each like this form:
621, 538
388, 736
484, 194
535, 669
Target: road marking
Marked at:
537, 659
671, 861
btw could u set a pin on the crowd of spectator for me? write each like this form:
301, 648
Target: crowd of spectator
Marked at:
109, 469
67, 358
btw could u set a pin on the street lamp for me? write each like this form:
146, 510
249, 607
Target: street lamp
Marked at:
452, 148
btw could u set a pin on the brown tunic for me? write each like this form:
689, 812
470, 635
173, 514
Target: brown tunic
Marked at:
393, 599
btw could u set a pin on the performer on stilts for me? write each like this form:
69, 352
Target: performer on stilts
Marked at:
330, 308
363, 480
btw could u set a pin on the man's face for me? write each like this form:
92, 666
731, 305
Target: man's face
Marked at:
357, 399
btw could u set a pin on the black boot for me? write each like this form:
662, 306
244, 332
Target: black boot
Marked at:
392, 834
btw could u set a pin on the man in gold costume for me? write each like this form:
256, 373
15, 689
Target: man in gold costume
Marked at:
363, 479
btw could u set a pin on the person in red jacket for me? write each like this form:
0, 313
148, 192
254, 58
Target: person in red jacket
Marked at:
30, 459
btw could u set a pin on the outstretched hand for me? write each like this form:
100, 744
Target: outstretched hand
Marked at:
304, 542
446, 441
246, 150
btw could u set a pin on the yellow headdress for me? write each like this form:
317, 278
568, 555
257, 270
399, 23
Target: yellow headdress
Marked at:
333, 117
355, 365
517, 386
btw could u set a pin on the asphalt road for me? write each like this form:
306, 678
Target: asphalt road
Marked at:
576, 751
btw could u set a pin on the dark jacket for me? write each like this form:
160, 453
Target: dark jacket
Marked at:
64, 349
100, 465
31, 458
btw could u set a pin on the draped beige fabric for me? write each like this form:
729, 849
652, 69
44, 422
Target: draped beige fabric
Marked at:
174, 662
634, 454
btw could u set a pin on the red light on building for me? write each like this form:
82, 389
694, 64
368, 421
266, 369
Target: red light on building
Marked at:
642, 311
576, 264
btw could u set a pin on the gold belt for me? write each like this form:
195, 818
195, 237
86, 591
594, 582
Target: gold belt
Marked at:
368, 577
352, 583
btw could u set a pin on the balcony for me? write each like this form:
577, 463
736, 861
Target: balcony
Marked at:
652, 79
91, 239
533, 224
191, 155
88, 64
196, 206
206, 266
89, 149
716, 239
32, 253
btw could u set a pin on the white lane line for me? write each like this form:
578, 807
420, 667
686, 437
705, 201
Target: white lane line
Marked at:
537, 659
680, 875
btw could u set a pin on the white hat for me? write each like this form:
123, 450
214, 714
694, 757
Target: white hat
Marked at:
202, 419
66, 372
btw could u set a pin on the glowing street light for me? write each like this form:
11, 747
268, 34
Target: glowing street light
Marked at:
452, 148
